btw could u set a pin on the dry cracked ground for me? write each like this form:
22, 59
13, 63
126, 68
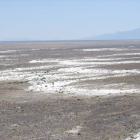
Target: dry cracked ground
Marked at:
70, 90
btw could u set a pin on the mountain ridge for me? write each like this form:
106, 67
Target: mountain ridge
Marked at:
121, 35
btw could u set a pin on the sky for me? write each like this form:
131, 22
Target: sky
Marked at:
66, 19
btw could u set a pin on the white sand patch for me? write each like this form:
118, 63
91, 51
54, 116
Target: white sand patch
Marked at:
84, 62
104, 49
84, 70
58, 83
121, 86
6, 56
72, 62
116, 85
75, 63
75, 130
75, 70
109, 59
95, 92
44, 61
23, 54
35, 49
48, 83
121, 54
35, 68
135, 137
99, 77
4, 76
135, 71
66, 75
9, 56
110, 49
9, 51
5, 64
8, 59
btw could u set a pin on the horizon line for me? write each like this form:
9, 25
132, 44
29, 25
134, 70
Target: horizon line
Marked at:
67, 40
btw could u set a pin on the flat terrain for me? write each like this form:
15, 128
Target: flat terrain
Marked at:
70, 90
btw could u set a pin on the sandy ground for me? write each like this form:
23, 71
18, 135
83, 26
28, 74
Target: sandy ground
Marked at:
70, 90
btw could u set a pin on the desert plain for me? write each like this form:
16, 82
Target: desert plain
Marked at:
80, 90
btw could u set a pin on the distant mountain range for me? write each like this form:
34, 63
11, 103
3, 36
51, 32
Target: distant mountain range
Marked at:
125, 35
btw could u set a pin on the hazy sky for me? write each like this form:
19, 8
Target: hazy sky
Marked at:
66, 19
